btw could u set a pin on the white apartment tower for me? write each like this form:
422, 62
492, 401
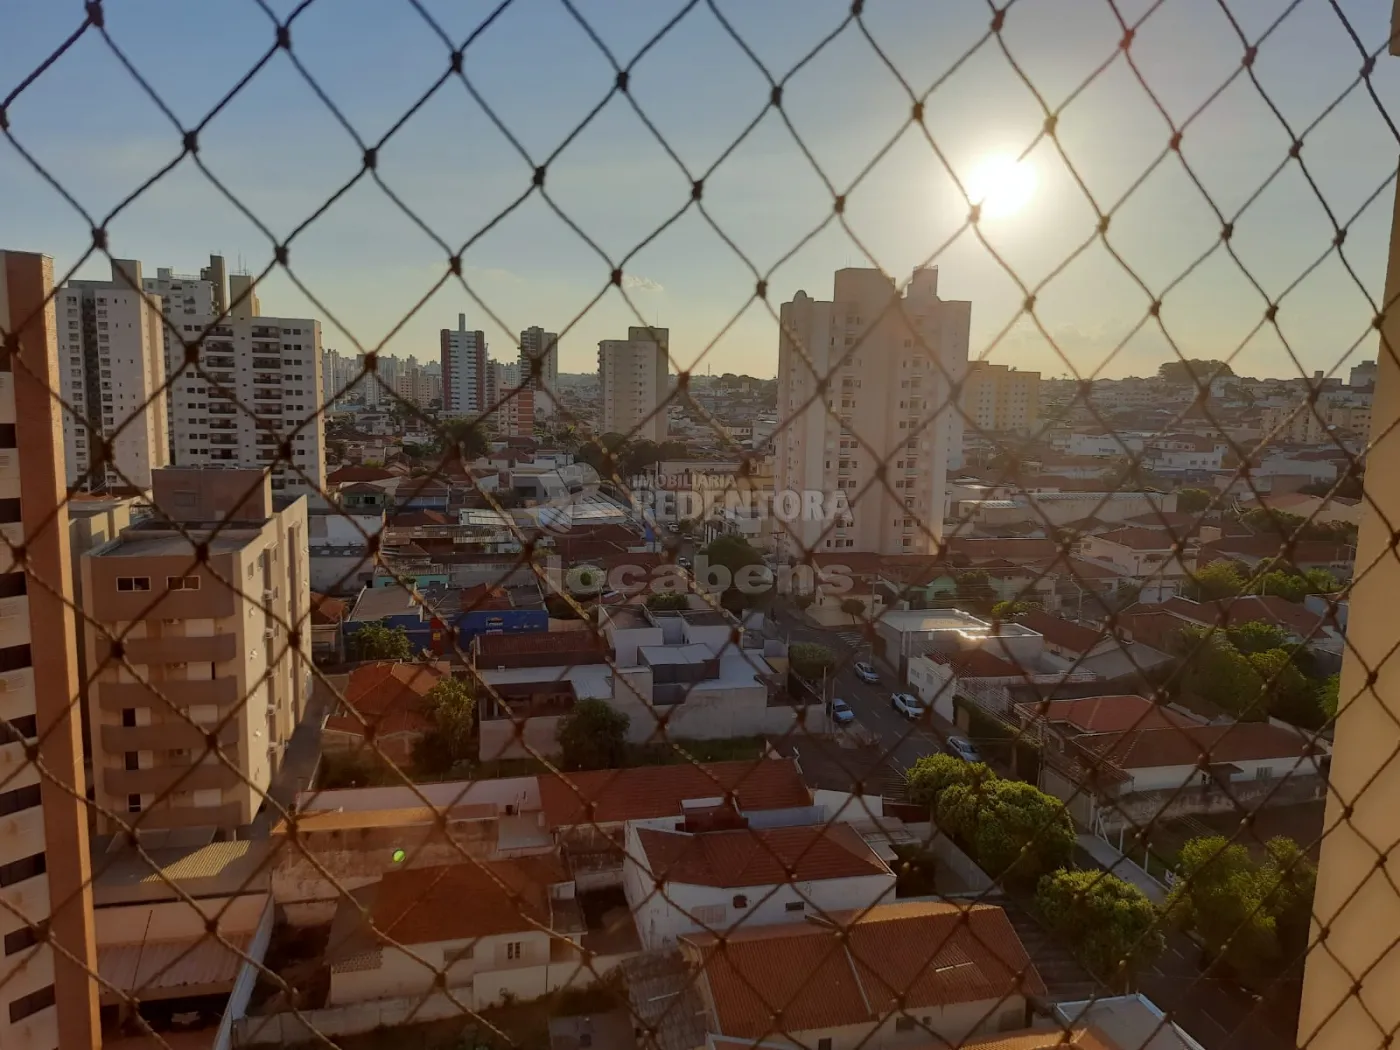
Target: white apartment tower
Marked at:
1000, 399
258, 386
891, 361
464, 370
111, 350
182, 297
632, 377
538, 345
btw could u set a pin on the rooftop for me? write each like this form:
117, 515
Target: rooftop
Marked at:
916, 621
1140, 539
607, 796
375, 603
856, 967
1201, 745
385, 697
1107, 714
1067, 635
759, 857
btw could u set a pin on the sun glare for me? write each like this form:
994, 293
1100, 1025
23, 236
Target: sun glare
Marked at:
1002, 185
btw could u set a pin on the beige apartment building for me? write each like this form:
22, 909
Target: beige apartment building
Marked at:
45, 872
1303, 424
632, 377
999, 399
111, 346
208, 648
889, 362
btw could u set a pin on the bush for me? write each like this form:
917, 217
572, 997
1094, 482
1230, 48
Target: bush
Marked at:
927, 778
668, 601
1110, 923
1015, 831
593, 735
810, 660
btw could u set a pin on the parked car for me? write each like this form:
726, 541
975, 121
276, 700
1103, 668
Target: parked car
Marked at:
867, 673
841, 712
907, 705
964, 749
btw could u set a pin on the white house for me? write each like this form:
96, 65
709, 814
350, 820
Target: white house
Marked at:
496, 929
678, 882
1143, 554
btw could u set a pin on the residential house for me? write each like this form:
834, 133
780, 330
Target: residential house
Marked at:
382, 707
1158, 625
909, 974
1099, 651
494, 930
680, 880
327, 616
1303, 555
1154, 559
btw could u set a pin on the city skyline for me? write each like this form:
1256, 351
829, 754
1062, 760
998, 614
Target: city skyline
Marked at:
531, 269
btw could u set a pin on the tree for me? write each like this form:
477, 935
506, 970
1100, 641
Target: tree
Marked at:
1012, 609
1285, 585
854, 608
975, 585
1219, 579
1256, 637
668, 601
1015, 831
1328, 693
450, 706
927, 778
593, 735
1110, 923
379, 641
1291, 696
1217, 897
1194, 371
465, 436
1218, 672
810, 660
736, 554
1193, 501
1290, 878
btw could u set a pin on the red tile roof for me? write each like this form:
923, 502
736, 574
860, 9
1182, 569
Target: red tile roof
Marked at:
1246, 608
412, 518
608, 796
1192, 745
1107, 714
1018, 550
977, 663
1140, 539
457, 901
387, 695
861, 966
326, 610
1305, 553
759, 857
342, 475
1071, 636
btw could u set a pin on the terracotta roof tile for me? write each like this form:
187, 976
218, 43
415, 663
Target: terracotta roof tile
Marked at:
455, 901
1107, 714
387, 696
925, 954
1072, 636
1140, 539
977, 663
759, 857
613, 795
1189, 745
341, 475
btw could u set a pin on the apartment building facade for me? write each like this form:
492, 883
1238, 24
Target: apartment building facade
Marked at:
111, 347
45, 871
208, 646
255, 395
185, 296
419, 384
890, 363
632, 377
999, 399
464, 370
537, 345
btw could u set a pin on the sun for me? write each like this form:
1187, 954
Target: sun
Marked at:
1001, 184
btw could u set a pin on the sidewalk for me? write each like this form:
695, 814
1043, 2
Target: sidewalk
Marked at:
1107, 857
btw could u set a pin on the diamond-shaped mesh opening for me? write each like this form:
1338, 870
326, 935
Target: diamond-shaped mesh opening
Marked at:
978, 671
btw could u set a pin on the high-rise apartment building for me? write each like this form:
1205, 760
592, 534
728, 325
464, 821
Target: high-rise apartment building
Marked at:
888, 361
338, 374
45, 872
464, 370
256, 394
632, 377
111, 347
999, 399
419, 384
538, 345
510, 400
210, 645
182, 297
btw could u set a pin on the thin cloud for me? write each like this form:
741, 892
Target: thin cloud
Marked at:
633, 282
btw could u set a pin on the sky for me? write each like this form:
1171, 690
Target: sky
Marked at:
619, 191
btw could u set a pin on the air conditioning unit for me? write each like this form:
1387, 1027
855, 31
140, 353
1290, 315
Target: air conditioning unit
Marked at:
270, 633
270, 594
272, 709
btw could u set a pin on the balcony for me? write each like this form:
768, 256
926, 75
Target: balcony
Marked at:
29, 897
13, 534
174, 735
17, 692
211, 648
115, 696
161, 779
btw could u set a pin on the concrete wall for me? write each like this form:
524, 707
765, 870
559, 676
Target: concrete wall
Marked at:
245, 981
507, 738
955, 1024
401, 973
847, 808
522, 792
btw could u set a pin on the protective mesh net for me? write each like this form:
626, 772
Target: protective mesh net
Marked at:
394, 810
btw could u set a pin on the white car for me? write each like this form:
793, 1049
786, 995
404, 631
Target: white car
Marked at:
867, 673
907, 705
964, 749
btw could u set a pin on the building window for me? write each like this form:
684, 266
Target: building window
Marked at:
794, 906
24, 868
513, 949
740, 901
31, 1004
132, 759
133, 583
128, 717
824, 1044
182, 583
133, 803
25, 937
18, 799
903, 1023
17, 730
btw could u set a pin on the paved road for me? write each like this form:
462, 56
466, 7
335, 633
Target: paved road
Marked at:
906, 742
